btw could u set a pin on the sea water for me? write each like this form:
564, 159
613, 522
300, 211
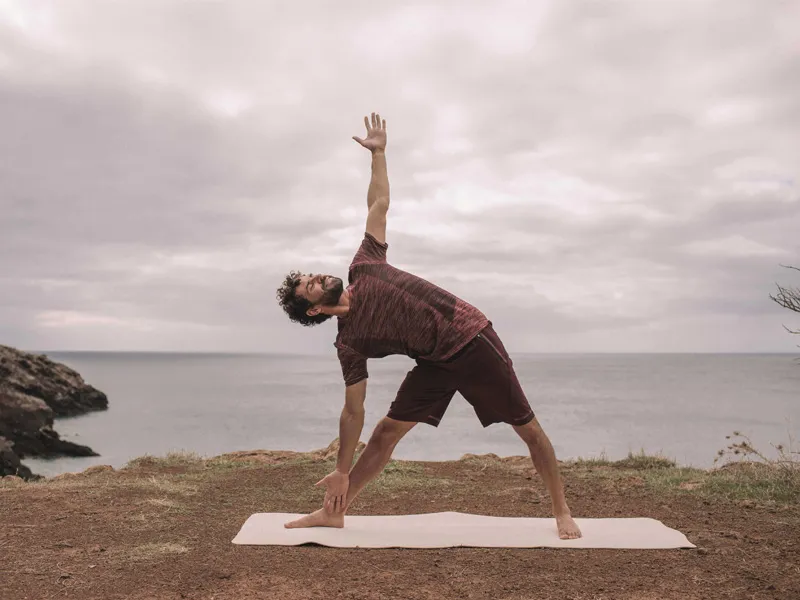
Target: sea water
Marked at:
679, 405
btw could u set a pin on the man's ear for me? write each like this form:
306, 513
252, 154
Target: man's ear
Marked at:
313, 312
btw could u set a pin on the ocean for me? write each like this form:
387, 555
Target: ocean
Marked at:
679, 405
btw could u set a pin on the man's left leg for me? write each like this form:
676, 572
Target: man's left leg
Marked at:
488, 382
545, 463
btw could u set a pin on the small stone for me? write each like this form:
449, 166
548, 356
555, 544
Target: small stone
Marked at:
702, 551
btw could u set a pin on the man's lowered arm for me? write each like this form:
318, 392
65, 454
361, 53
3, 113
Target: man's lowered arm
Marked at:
351, 423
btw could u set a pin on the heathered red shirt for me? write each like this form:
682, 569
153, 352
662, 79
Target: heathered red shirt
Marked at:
395, 312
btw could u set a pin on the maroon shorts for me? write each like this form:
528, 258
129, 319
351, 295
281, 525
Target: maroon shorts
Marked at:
481, 371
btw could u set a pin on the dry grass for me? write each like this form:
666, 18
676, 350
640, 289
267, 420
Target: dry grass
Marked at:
163, 503
155, 551
763, 480
632, 461
192, 462
401, 475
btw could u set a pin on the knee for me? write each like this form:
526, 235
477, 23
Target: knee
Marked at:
532, 434
386, 434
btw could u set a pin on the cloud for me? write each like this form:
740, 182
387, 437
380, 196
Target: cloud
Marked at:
593, 176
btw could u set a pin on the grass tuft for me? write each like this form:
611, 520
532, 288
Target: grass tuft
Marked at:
643, 461
599, 461
170, 460
749, 473
640, 461
398, 475
763, 480
155, 551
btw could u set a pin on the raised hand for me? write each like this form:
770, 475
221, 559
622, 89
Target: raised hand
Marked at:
376, 134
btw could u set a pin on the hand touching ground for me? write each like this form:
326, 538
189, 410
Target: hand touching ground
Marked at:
332, 512
336, 485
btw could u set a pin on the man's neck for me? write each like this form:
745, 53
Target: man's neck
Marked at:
341, 309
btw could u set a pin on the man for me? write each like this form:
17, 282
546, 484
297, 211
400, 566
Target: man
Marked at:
388, 311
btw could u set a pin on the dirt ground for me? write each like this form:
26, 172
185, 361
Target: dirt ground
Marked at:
163, 529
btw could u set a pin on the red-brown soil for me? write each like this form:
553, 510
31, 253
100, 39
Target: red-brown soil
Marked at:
156, 531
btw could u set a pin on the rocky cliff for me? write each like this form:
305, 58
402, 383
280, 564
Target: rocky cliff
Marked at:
33, 391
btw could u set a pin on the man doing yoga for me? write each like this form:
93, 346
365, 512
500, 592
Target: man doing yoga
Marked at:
384, 311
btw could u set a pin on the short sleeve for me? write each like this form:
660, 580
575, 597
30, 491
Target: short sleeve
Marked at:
371, 251
354, 365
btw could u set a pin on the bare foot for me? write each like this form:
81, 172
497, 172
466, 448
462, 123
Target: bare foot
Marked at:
319, 518
567, 528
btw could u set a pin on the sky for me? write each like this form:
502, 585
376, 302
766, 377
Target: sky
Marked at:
595, 176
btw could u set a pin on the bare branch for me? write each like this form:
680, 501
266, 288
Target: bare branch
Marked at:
788, 298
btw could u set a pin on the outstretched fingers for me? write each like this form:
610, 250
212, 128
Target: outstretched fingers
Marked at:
377, 122
374, 121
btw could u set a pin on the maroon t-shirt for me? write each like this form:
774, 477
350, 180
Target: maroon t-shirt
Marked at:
395, 312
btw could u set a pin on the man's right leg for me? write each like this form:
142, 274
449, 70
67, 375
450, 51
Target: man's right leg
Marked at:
387, 433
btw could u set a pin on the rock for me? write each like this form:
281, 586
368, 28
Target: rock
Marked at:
61, 388
332, 451
33, 391
10, 464
28, 422
470, 456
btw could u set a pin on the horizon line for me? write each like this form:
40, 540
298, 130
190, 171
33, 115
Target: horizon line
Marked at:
268, 353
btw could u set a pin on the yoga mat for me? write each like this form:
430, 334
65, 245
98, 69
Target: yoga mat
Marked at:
449, 529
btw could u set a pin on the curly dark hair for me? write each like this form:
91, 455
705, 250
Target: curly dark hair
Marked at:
296, 306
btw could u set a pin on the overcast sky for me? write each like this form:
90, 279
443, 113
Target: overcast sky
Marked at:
594, 176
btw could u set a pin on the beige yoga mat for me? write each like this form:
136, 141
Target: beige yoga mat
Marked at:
449, 529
